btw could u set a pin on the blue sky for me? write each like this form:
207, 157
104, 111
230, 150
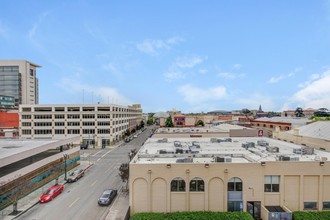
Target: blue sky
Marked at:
194, 56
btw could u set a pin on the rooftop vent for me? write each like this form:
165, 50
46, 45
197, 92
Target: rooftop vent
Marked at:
248, 145
185, 160
262, 143
223, 159
164, 140
177, 144
272, 149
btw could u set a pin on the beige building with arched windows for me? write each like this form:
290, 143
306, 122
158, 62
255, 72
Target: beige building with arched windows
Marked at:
258, 175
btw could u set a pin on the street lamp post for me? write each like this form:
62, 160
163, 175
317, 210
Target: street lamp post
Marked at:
65, 158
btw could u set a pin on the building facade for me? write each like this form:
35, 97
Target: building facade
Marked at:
18, 79
98, 125
228, 174
31, 164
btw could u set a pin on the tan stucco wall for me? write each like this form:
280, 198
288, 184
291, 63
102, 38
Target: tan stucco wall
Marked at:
299, 182
303, 140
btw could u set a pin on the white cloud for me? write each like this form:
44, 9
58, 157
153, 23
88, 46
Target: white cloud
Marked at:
112, 68
230, 76
312, 78
188, 62
175, 71
194, 95
202, 71
253, 101
276, 79
100, 94
96, 33
3, 30
152, 47
35, 26
316, 92
173, 75
237, 66
226, 75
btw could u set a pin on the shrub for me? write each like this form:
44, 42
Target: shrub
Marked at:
193, 216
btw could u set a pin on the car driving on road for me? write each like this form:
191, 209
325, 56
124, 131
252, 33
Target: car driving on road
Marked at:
51, 193
75, 175
107, 197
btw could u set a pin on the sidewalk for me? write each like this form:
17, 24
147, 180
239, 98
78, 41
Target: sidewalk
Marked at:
119, 209
26, 203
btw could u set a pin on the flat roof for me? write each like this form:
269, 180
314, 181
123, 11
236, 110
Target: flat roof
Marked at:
14, 149
208, 128
236, 150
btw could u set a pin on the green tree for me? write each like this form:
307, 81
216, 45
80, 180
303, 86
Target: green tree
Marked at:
169, 122
150, 121
200, 123
299, 112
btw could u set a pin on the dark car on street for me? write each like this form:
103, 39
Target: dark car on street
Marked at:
107, 197
84, 146
75, 175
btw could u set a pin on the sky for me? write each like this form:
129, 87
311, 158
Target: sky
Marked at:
188, 55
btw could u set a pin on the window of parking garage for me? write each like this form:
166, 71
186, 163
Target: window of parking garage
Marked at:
178, 185
310, 205
326, 205
235, 184
272, 183
196, 185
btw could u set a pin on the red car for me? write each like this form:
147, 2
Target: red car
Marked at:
51, 193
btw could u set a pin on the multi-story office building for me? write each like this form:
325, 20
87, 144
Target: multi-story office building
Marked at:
260, 175
18, 79
98, 125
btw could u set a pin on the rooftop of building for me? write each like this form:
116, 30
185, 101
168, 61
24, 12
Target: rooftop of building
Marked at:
208, 128
15, 149
291, 120
227, 150
319, 129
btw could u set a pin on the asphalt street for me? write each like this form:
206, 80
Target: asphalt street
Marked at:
79, 199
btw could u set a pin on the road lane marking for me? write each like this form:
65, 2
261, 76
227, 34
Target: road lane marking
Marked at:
93, 183
108, 169
106, 153
74, 202
98, 159
97, 153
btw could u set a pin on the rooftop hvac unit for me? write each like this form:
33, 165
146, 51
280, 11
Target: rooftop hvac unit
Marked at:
185, 160
307, 150
220, 159
164, 140
214, 140
194, 150
196, 144
248, 145
294, 158
178, 151
177, 144
224, 140
262, 143
297, 150
284, 158
162, 152
228, 159
272, 149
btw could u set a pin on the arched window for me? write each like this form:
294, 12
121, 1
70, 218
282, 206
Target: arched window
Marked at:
235, 184
178, 185
196, 185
